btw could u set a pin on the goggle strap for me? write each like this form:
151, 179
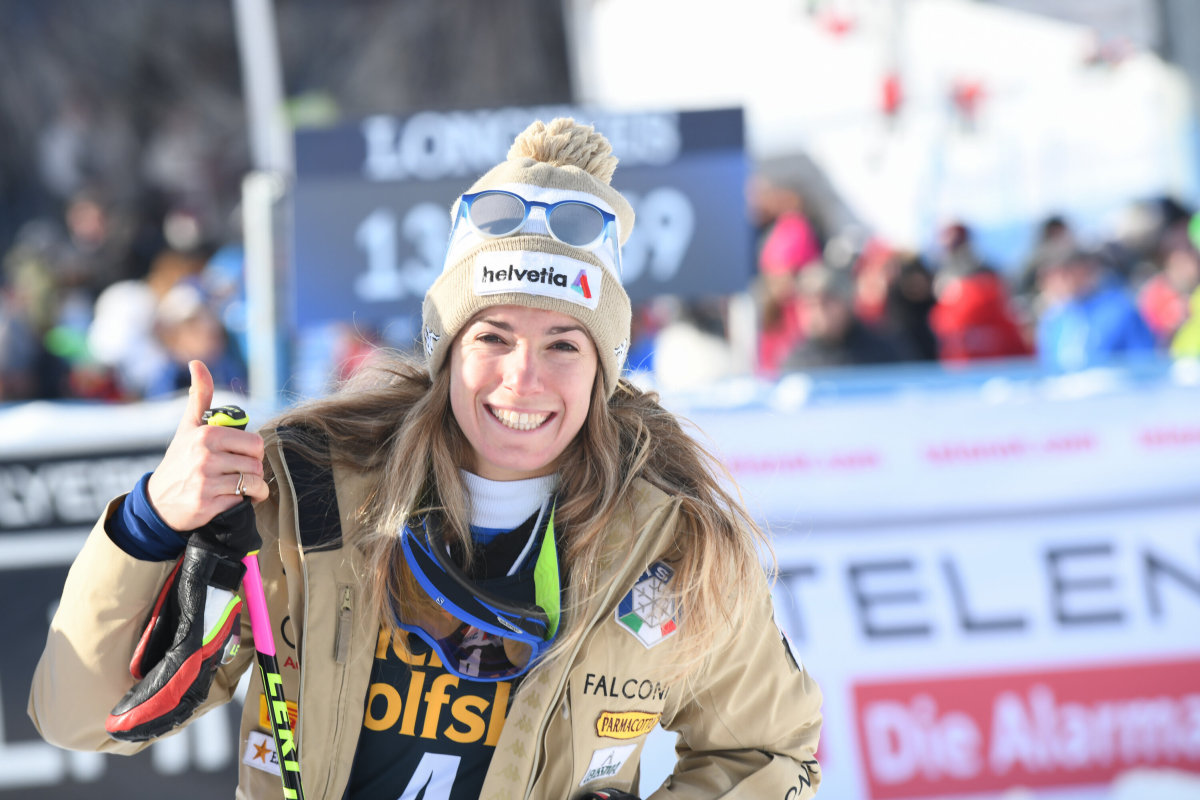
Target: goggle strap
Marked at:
533, 537
546, 582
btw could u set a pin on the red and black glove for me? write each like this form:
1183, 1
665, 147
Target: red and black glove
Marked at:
193, 628
610, 794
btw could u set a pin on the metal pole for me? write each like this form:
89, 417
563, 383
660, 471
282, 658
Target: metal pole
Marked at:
274, 164
265, 334
262, 85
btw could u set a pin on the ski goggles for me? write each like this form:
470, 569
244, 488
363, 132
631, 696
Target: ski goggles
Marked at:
488, 635
497, 213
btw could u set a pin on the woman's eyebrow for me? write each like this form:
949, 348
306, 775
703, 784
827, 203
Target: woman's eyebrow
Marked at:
555, 331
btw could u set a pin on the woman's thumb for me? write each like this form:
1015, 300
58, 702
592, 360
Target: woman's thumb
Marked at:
200, 395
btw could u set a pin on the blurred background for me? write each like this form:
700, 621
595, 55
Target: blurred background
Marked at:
923, 272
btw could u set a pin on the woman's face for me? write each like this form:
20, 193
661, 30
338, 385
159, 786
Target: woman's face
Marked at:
520, 386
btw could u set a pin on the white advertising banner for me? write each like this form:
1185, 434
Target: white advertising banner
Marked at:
873, 460
997, 590
970, 657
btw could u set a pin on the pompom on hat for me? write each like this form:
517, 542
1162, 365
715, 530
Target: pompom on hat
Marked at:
547, 163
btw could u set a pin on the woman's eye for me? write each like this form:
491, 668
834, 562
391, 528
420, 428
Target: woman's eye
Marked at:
490, 338
565, 347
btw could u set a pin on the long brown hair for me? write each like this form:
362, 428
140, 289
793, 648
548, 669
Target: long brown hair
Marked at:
393, 422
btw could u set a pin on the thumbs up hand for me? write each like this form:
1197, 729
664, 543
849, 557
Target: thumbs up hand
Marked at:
205, 465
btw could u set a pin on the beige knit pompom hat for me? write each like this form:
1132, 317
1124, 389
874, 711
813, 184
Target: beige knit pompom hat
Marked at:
548, 163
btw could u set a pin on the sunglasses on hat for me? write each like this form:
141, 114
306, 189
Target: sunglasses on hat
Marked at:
496, 213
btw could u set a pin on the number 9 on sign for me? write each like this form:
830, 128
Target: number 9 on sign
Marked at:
661, 237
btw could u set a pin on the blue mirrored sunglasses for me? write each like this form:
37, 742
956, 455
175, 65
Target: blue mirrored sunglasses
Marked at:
496, 213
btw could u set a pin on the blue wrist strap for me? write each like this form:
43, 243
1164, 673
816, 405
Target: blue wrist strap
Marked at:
139, 531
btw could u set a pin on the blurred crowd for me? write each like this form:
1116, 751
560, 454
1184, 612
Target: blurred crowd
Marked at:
850, 298
104, 304
119, 172
92, 306
120, 253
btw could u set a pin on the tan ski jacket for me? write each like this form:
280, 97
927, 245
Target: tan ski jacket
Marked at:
747, 724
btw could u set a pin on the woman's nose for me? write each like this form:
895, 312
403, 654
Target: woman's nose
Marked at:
521, 370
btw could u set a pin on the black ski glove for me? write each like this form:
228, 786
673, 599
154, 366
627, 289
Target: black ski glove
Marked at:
193, 628
610, 794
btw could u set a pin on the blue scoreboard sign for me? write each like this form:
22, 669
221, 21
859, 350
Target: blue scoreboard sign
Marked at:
372, 205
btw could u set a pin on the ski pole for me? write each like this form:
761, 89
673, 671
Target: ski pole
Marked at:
264, 642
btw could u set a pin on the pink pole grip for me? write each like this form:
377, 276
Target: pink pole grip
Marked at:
256, 599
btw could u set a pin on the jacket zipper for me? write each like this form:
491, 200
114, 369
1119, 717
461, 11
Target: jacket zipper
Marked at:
341, 649
345, 616
341, 642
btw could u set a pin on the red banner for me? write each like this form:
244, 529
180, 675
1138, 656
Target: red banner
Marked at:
930, 738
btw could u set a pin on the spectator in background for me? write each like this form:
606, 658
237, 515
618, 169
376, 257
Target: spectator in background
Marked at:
779, 322
1163, 298
31, 300
1186, 343
786, 237
908, 304
832, 334
956, 255
790, 244
691, 350
19, 352
189, 329
973, 319
1054, 238
1090, 317
873, 264
100, 233
122, 337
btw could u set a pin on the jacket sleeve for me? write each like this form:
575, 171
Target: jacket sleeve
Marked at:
748, 726
84, 668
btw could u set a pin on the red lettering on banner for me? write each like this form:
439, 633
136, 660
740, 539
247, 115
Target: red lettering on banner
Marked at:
961, 735
799, 462
1170, 437
1011, 448
977, 451
1070, 443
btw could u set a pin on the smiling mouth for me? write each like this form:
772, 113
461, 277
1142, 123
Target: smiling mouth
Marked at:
519, 420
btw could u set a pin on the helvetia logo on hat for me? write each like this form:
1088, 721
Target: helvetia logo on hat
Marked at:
581, 285
544, 274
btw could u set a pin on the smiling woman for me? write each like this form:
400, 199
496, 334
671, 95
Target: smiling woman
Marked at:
463, 544
520, 387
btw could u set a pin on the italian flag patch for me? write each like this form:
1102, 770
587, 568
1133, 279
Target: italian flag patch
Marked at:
647, 610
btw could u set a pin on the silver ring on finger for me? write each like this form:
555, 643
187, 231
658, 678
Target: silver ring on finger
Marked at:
241, 486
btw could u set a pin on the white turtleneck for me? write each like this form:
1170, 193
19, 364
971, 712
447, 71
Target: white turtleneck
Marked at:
500, 506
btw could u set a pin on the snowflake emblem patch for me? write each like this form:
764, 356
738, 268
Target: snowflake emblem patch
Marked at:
431, 339
647, 610
621, 350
